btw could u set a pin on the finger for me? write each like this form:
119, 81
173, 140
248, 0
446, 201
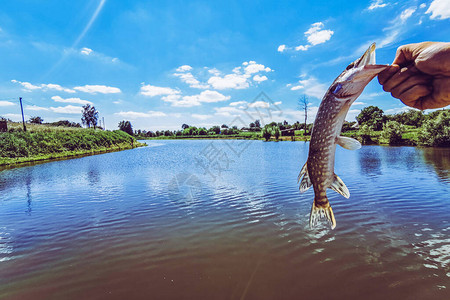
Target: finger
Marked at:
409, 83
387, 73
412, 96
399, 77
404, 55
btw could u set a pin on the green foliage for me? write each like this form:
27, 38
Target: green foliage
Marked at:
65, 123
276, 132
126, 127
365, 132
411, 117
36, 120
26, 144
392, 132
436, 131
371, 116
89, 116
266, 133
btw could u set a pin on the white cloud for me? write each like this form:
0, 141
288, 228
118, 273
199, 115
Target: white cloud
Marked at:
201, 117
277, 103
6, 103
28, 86
50, 86
407, 13
240, 78
315, 36
311, 87
57, 87
439, 9
207, 96
259, 104
396, 28
227, 111
191, 80
230, 81
184, 68
135, 115
359, 103
281, 48
35, 108
94, 89
252, 67
302, 48
238, 103
423, 5
259, 78
151, 91
214, 71
376, 4
85, 51
71, 100
69, 109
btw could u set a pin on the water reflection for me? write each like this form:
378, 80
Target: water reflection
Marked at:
370, 161
439, 158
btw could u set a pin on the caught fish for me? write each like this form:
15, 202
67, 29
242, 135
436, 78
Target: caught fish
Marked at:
318, 170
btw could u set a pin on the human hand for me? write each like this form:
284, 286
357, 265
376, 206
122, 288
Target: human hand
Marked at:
419, 75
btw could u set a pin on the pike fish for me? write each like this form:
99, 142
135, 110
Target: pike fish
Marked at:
318, 170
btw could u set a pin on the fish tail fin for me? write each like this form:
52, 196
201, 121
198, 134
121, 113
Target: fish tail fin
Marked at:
321, 208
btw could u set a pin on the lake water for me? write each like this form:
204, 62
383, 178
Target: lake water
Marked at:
208, 219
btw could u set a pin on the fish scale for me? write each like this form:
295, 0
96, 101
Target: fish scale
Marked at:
318, 170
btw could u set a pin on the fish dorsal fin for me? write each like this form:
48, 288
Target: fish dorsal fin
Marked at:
339, 186
305, 184
348, 143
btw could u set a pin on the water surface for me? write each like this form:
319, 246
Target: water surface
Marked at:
224, 220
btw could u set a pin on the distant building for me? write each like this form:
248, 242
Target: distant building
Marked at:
3, 126
288, 132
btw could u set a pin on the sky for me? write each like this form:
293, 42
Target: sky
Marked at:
161, 64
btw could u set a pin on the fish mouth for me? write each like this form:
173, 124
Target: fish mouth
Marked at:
367, 65
368, 58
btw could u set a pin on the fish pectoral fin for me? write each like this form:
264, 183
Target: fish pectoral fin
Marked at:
302, 171
348, 143
339, 186
306, 183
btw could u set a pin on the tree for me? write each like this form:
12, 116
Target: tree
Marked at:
126, 126
303, 103
257, 124
90, 116
266, 133
224, 126
276, 132
184, 126
252, 125
215, 129
36, 120
392, 132
371, 116
436, 131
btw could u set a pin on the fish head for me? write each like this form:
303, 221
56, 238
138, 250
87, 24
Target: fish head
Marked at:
352, 81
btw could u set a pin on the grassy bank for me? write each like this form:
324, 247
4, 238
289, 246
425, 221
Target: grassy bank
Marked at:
41, 142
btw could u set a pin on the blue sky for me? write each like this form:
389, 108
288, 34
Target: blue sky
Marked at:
160, 64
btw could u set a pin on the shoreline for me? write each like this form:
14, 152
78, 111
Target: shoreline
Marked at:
11, 163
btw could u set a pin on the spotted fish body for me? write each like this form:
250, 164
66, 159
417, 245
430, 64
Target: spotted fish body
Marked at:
318, 170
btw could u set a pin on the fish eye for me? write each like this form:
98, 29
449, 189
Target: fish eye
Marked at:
350, 66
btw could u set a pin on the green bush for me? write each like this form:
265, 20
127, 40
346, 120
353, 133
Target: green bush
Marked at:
436, 131
392, 132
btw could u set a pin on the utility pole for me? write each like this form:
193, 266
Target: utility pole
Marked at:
23, 119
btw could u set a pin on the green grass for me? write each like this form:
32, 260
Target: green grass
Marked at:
42, 142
